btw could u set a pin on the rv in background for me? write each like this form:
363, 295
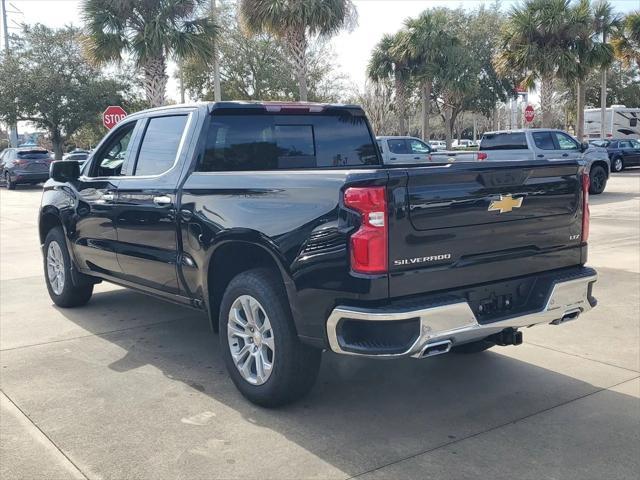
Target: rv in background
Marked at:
620, 122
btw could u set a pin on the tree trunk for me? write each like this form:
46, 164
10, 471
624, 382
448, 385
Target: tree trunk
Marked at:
546, 96
296, 42
603, 105
401, 104
448, 125
155, 81
426, 109
58, 144
581, 99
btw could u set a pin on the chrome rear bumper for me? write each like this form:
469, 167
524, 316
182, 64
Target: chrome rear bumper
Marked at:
444, 326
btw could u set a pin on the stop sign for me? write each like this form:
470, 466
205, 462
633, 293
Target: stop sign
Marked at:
113, 115
528, 113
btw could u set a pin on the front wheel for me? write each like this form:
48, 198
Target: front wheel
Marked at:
260, 346
617, 164
8, 183
598, 179
57, 273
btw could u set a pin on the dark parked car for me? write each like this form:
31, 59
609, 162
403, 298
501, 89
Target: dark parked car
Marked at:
283, 225
24, 165
623, 152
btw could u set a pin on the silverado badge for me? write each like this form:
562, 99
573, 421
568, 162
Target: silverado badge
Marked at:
505, 204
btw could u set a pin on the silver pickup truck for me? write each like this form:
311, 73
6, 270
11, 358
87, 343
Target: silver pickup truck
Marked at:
547, 144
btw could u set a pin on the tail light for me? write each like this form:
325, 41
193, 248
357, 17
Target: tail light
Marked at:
482, 156
21, 163
585, 207
369, 243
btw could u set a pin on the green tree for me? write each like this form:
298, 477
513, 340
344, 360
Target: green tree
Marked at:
626, 41
385, 64
590, 53
255, 67
423, 46
536, 43
47, 81
294, 22
150, 32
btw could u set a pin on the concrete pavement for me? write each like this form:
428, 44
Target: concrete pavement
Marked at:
131, 387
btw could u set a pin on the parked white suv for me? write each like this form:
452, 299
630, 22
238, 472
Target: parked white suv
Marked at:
547, 144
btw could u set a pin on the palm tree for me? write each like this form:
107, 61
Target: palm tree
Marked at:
421, 46
626, 41
607, 22
149, 32
590, 52
384, 65
536, 44
293, 22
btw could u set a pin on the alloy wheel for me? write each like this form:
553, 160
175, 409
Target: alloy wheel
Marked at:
55, 268
251, 340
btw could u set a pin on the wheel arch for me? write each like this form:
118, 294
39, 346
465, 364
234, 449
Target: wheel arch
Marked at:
235, 256
49, 218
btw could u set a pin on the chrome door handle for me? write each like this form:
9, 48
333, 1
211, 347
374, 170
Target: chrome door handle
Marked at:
162, 200
109, 197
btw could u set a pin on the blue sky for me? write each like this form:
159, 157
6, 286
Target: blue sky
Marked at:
352, 49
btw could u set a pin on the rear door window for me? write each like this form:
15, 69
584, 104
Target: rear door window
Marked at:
543, 140
625, 144
398, 145
160, 145
504, 141
240, 142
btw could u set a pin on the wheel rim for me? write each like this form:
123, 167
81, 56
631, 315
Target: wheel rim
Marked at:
251, 340
617, 166
598, 180
55, 267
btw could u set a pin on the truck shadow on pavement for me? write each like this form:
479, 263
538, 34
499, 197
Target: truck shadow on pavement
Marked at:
361, 415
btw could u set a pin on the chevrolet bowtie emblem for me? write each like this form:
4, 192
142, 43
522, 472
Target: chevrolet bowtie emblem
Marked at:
505, 204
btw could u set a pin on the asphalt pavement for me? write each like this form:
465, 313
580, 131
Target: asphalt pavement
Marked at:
132, 387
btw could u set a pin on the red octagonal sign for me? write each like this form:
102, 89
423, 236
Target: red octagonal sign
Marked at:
113, 115
529, 114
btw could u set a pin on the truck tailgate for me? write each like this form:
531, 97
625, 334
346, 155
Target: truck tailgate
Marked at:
465, 224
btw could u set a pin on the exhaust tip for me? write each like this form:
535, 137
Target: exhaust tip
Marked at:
567, 317
436, 348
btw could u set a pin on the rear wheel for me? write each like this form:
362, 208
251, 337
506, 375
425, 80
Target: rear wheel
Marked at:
473, 347
57, 273
598, 179
617, 165
260, 346
8, 183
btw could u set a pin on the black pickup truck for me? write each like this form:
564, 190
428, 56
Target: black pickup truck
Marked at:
282, 224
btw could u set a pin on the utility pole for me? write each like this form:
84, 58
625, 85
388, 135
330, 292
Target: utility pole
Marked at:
217, 95
13, 129
603, 95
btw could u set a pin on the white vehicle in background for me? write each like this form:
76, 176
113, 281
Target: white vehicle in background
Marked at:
620, 122
437, 145
462, 143
402, 149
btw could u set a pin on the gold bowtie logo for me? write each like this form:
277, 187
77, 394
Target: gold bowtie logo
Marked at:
505, 204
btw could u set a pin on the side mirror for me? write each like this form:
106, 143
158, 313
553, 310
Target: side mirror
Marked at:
64, 170
584, 146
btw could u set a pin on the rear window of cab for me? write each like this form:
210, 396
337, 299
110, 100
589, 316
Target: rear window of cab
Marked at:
504, 141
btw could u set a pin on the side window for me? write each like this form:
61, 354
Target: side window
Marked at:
624, 144
109, 160
635, 143
565, 142
160, 145
398, 146
633, 122
543, 140
418, 147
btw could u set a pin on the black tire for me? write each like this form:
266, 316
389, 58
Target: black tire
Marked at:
8, 183
617, 164
295, 366
473, 347
597, 179
70, 295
